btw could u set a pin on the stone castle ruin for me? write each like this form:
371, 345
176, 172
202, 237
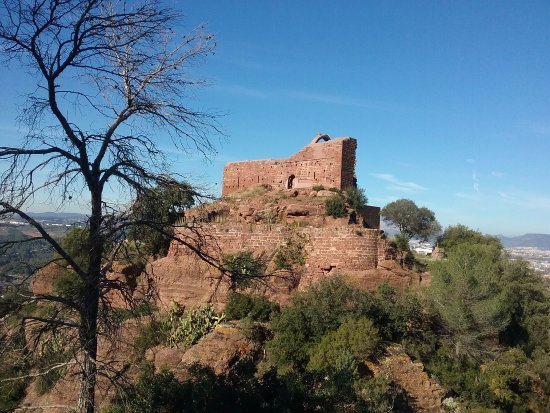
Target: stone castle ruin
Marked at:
267, 207
327, 162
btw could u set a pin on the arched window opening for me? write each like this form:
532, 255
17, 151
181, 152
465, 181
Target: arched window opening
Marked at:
290, 182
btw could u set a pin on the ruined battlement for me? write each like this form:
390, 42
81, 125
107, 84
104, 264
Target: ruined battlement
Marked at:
325, 161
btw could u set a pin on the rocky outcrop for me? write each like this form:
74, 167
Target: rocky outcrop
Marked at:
424, 394
219, 350
43, 280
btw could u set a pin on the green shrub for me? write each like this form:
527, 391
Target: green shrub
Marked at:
14, 364
254, 331
141, 309
333, 189
12, 298
151, 334
50, 362
335, 206
154, 392
69, 285
195, 323
350, 344
256, 307
356, 197
456, 235
262, 309
242, 268
291, 252
76, 242
318, 187
238, 306
311, 315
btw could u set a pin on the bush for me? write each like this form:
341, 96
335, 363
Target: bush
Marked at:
356, 197
510, 380
242, 268
256, 307
151, 334
263, 309
194, 324
318, 187
254, 331
291, 252
238, 306
312, 314
12, 299
14, 364
52, 355
69, 285
335, 206
454, 236
141, 309
76, 242
352, 343
154, 392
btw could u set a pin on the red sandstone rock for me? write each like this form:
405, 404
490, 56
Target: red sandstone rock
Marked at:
42, 282
221, 349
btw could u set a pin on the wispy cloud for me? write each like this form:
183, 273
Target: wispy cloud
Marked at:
398, 185
476, 181
471, 161
307, 96
497, 174
525, 200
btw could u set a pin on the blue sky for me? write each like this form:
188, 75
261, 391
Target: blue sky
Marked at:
449, 101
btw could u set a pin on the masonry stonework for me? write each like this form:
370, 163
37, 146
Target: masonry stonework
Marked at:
325, 161
327, 248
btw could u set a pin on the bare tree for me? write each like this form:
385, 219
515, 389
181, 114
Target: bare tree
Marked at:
111, 77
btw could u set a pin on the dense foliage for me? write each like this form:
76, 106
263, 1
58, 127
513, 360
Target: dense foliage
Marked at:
356, 197
242, 268
412, 221
335, 206
481, 329
456, 235
256, 307
158, 210
291, 252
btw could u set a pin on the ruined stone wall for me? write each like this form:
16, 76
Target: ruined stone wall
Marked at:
329, 248
329, 163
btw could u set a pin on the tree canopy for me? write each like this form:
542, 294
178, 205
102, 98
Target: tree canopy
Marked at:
412, 221
467, 290
455, 235
155, 211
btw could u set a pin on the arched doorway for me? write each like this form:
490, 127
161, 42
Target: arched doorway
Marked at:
290, 182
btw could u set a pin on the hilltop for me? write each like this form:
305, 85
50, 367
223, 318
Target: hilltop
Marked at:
541, 241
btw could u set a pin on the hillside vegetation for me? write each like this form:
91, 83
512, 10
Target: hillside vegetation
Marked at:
477, 339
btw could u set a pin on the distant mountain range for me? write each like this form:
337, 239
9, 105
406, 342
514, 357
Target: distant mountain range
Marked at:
57, 215
541, 241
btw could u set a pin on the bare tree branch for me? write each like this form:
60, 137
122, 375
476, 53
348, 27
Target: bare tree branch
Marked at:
120, 67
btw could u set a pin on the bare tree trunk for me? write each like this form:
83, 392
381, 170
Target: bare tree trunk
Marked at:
86, 393
88, 325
